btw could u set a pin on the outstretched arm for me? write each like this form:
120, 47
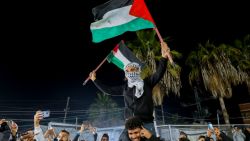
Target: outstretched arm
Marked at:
38, 131
114, 90
161, 68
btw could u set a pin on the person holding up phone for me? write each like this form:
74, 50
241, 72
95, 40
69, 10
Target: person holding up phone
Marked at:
63, 135
37, 129
210, 132
210, 136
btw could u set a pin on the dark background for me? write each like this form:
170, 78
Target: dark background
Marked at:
46, 52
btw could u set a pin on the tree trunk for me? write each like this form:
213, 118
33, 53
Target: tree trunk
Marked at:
224, 110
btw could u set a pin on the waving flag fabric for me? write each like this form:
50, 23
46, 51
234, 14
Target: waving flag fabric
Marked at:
121, 55
139, 9
113, 19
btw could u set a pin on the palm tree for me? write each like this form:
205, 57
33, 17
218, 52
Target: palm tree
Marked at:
105, 112
242, 61
147, 48
212, 66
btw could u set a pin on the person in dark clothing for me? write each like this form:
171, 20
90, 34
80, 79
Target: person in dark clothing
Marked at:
8, 130
4, 131
246, 131
136, 131
137, 92
221, 136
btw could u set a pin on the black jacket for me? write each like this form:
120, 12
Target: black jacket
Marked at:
143, 106
4, 132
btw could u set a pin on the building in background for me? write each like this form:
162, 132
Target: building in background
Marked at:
245, 112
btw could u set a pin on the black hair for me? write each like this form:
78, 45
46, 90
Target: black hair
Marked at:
105, 135
183, 133
133, 122
201, 136
65, 131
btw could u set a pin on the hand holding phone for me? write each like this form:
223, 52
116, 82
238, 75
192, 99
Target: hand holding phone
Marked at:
46, 114
210, 126
9, 122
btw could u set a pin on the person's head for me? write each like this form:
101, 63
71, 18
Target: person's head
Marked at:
27, 136
132, 71
201, 138
216, 131
105, 137
183, 135
133, 126
236, 128
63, 136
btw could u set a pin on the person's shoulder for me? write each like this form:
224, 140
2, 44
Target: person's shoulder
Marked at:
225, 137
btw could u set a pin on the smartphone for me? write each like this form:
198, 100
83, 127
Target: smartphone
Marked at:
46, 113
210, 126
9, 122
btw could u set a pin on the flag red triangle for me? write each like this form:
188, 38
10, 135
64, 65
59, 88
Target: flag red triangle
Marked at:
139, 9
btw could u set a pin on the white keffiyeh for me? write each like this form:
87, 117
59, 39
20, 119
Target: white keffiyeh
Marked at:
134, 79
138, 87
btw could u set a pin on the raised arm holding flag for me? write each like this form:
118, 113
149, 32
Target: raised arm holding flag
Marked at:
137, 92
139, 9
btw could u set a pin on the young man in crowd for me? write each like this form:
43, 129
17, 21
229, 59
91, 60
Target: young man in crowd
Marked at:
136, 131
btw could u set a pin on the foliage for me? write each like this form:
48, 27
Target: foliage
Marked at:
104, 112
220, 67
147, 48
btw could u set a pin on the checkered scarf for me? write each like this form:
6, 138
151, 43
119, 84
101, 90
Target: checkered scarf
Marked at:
134, 79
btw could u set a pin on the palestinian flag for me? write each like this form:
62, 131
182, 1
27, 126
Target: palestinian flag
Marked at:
113, 19
121, 55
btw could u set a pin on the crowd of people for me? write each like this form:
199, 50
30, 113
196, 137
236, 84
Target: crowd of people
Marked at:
134, 128
139, 117
216, 134
9, 132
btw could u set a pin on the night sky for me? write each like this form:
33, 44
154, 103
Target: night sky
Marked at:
46, 50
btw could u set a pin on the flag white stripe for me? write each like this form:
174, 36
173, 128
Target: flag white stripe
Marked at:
121, 57
113, 18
